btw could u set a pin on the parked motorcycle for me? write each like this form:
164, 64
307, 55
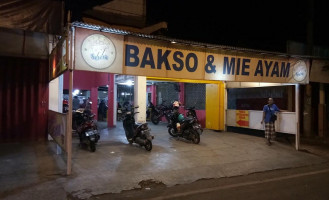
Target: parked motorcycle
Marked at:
65, 106
137, 133
121, 112
187, 128
192, 113
157, 112
85, 126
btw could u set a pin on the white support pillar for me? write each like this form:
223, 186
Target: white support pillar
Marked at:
115, 103
297, 111
140, 98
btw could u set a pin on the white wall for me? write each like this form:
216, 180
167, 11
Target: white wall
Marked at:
56, 94
286, 122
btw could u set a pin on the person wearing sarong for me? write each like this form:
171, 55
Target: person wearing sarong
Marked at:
269, 110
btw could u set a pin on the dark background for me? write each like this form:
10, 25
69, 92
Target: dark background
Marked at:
253, 24
266, 25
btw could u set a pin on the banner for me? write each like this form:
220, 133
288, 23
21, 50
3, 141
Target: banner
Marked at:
57, 60
242, 118
131, 55
57, 127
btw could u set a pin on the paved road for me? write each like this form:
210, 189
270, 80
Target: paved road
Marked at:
35, 171
309, 183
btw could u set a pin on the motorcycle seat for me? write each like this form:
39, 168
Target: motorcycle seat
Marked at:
188, 119
137, 125
190, 108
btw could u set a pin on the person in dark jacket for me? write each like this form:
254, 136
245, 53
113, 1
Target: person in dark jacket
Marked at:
102, 109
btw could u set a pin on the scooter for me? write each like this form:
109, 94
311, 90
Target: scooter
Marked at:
137, 133
187, 128
86, 128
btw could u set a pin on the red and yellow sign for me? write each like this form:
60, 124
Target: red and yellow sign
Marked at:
242, 118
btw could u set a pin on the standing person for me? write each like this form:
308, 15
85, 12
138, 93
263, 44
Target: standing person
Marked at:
269, 116
76, 103
102, 109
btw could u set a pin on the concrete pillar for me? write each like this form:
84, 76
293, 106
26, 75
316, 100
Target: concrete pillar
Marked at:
94, 98
140, 98
297, 111
115, 103
154, 94
307, 121
110, 112
322, 112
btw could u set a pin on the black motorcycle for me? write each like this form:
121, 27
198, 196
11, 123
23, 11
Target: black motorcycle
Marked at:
85, 126
157, 112
192, 113
187, 128
137, 133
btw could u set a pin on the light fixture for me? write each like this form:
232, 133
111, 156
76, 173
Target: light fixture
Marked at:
129, 83
173, 42
76, 92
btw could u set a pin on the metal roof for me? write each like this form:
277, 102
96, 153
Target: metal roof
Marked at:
187, 42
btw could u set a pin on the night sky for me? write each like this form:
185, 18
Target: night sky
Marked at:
263, 25
256, 24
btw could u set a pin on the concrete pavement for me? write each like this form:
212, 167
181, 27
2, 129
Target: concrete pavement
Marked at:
36, 171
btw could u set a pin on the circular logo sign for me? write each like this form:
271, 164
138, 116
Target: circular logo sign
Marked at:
98, 51
300, 71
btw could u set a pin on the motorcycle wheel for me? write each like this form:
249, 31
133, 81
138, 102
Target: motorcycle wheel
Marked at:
154, 119
92, 146
172, 132
195, 137
148, 145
